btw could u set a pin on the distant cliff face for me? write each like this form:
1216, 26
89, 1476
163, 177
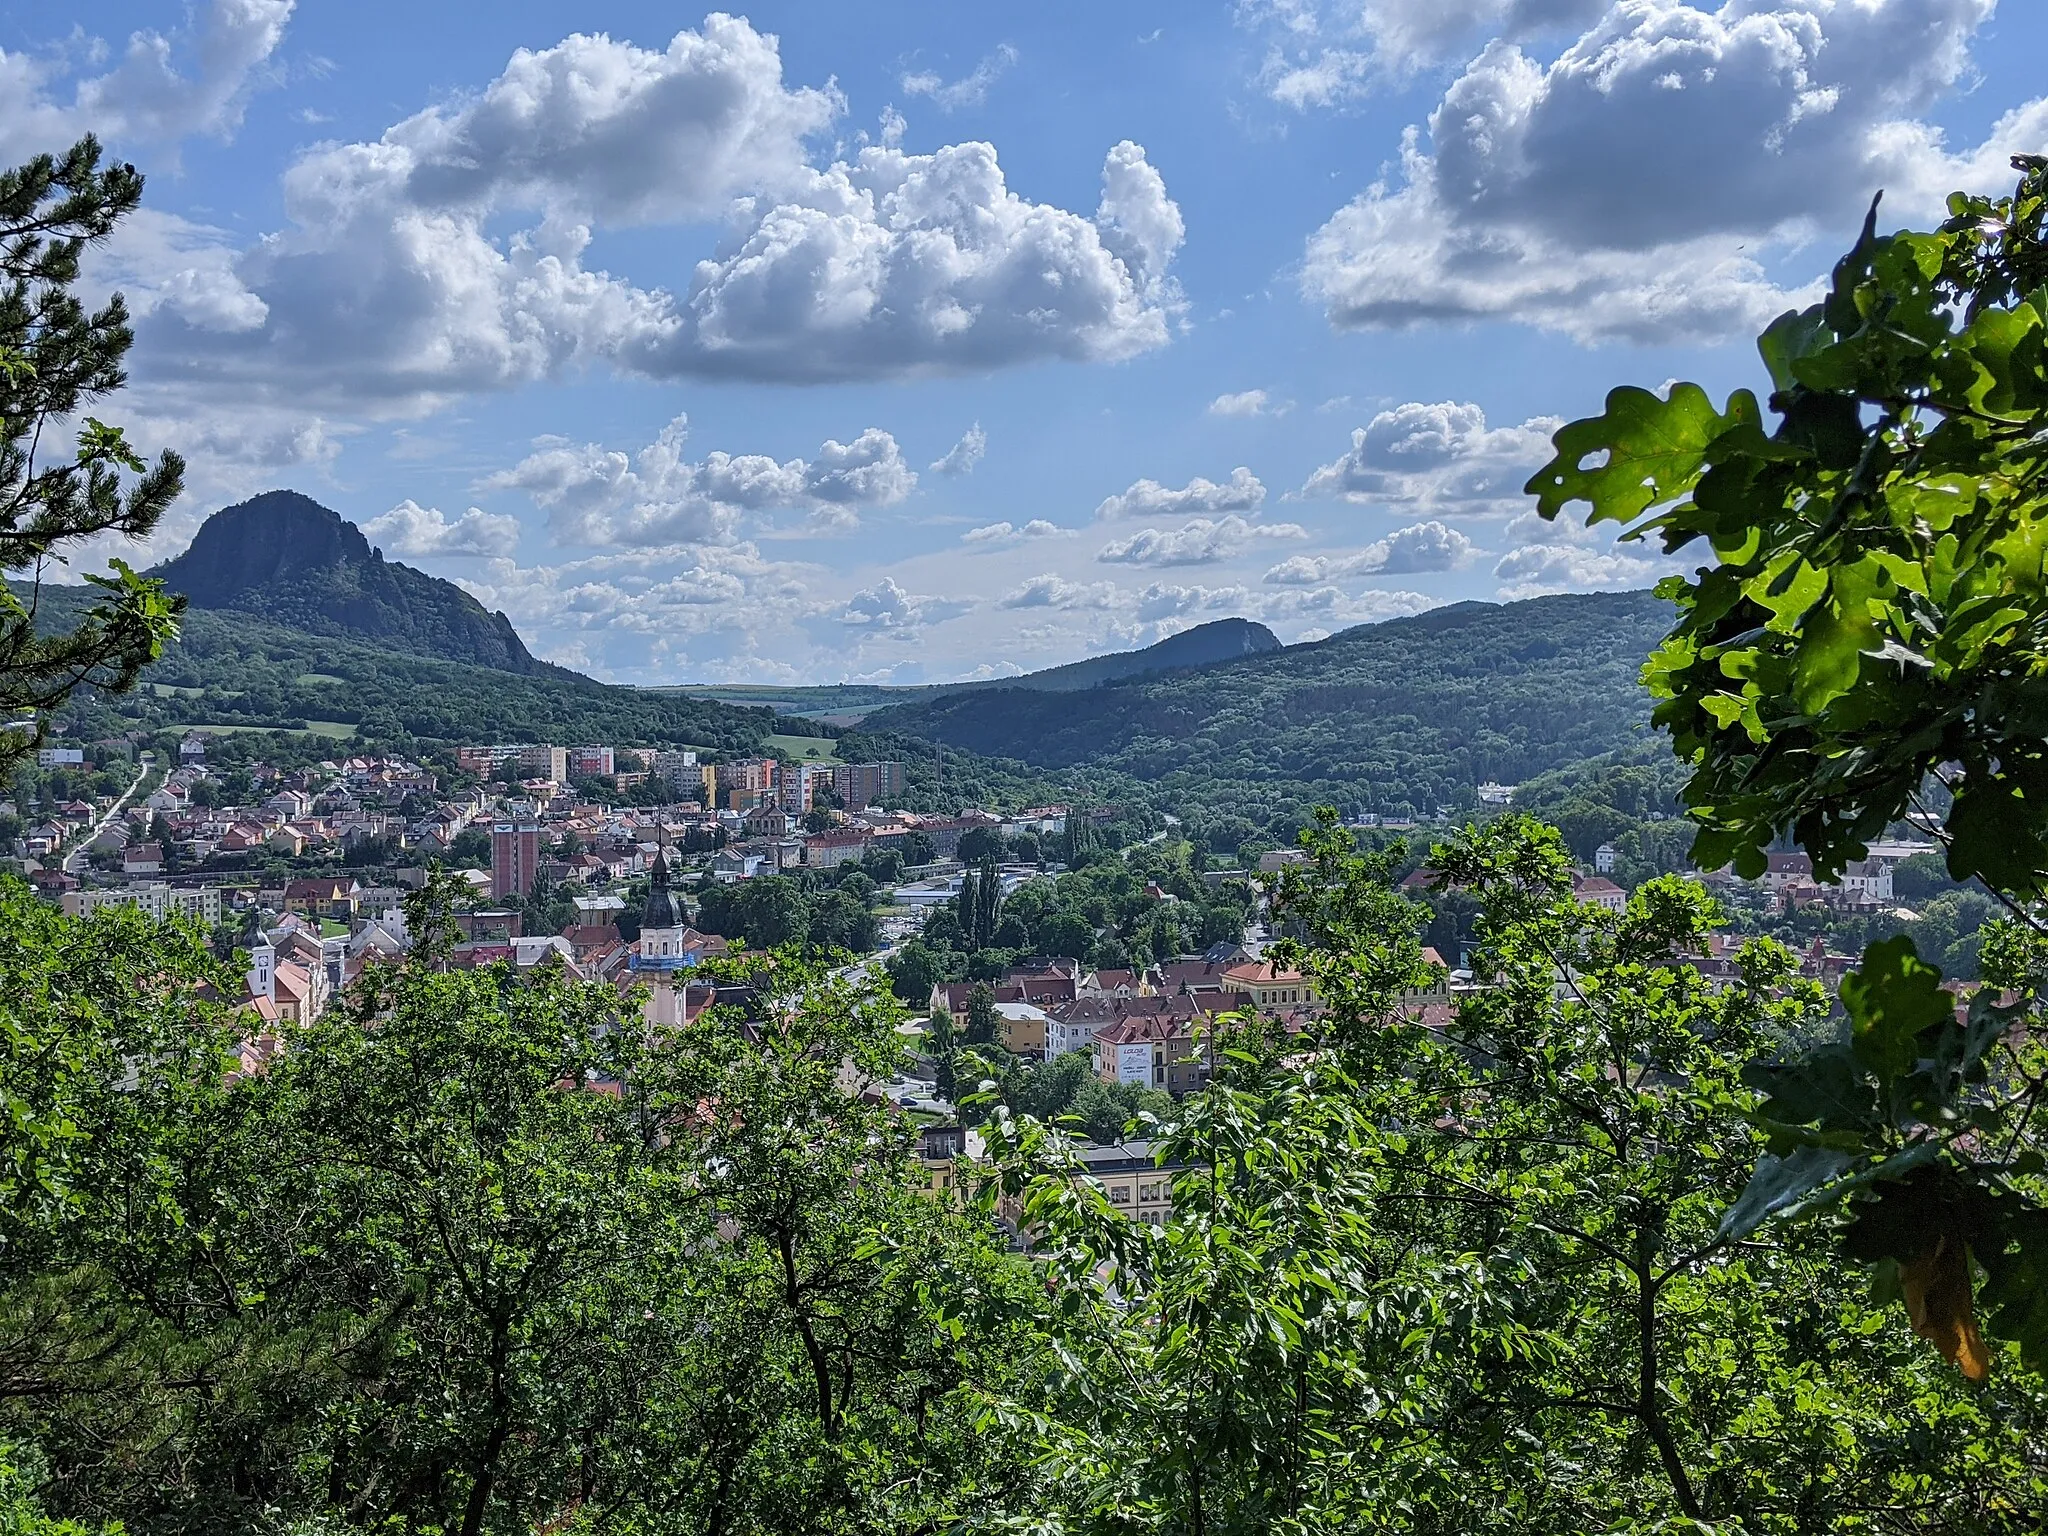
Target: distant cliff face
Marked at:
283, 557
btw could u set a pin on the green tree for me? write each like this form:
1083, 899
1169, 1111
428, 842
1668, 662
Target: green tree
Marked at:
979, 843
984, 1024
57, 360
914, 970
839, 919
1477, 1280
1869, 639
467, 1256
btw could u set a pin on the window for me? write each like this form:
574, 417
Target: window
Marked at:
1120, 1194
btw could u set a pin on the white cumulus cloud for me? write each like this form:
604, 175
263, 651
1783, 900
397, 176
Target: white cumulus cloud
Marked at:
1321, 53
1538, 569
411, 529
961, 458
1050, 591
152, 95
1242, 492
1440, 454
448, 255
1199, 541
896, 264
885, 605
595, 495
1249, 402
1420, 547
1631, 187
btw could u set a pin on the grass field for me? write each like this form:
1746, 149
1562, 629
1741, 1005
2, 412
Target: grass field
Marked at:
336, 730
805, 749
307, 679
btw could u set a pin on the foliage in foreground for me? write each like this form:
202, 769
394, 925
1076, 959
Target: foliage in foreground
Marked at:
57, 359
1477, 1281
471, 1254
1872, 639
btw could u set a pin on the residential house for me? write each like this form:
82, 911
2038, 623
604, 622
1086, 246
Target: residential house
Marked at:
1783, 869
1111, 983
1022, 1030
842, 845
1134, 1049
1264, 986
1599, 891
1073, 1026
158, 901
325, 897
1133, 1181
1869, 879
142, 859
941, 1150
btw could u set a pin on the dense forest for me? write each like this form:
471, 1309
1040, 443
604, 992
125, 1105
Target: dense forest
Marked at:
1395, 718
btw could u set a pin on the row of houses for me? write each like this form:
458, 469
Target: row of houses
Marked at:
1153, 1028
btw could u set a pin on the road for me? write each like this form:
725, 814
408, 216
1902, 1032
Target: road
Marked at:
76, 857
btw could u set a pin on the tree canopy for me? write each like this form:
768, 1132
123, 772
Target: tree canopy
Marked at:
1869, 642
57, 360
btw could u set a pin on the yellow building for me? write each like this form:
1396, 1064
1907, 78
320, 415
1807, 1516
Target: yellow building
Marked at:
1266, 987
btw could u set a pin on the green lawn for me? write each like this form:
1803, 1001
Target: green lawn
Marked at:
806, 749
307, 679
337, 730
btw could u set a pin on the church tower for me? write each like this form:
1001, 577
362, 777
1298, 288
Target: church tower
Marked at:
660, 911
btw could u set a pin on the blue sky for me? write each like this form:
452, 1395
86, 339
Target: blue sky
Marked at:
915, 341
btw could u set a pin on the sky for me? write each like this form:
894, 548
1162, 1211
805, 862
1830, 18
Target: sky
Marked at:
907, 342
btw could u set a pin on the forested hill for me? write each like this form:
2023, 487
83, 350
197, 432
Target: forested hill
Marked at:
1404, 715
1202, 646
229, 671
283, 557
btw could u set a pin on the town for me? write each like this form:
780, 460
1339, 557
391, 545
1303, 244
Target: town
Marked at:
306, 868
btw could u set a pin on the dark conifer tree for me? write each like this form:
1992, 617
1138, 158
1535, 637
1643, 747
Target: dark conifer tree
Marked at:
56, 359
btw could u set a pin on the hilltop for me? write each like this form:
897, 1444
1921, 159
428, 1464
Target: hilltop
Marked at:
843, 703
1393, 717
285, 558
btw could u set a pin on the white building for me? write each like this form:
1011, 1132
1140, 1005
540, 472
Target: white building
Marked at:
200, 903
1125, 1061
60, 757
1868, 879
1065, 1035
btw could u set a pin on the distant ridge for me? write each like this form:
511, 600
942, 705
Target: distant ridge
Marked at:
1435, 703
1204, 645
283, 557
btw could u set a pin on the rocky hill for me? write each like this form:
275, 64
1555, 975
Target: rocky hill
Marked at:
285, 558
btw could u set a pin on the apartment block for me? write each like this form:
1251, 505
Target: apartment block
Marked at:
859, 785
515, 858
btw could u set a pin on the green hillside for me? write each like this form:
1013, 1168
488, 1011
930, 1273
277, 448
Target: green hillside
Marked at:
231, 669
231, 673
283, 558
1395, 717
1205, 645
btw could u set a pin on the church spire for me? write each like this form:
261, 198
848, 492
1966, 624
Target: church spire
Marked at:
660, 911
